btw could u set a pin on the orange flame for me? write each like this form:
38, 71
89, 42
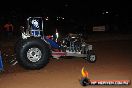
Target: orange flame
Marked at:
84, 73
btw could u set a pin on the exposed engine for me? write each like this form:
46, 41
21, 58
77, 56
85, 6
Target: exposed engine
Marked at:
74, 43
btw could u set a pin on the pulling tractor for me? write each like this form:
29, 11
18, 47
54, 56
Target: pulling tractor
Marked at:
34, 49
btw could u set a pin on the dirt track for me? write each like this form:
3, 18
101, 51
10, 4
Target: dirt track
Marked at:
114, 61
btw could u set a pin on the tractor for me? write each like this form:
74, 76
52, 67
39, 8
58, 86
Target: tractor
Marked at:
34, 49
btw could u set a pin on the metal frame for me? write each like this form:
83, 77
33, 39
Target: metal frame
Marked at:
27, 33
29, 28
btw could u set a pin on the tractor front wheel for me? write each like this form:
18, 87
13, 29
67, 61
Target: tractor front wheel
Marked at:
33, 53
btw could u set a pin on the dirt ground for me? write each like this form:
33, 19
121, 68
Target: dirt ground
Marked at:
114, 62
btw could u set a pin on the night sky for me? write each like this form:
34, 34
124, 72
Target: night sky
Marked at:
78, 11
67, 7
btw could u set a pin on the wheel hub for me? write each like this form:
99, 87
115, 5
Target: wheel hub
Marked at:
34, 54
92, 58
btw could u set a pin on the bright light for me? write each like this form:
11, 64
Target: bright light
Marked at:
60, 18
57, 35
47, 18
106, 12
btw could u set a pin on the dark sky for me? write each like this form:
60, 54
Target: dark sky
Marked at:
75, 8
82, 10
62, 6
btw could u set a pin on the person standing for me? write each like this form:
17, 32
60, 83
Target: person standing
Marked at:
8, 28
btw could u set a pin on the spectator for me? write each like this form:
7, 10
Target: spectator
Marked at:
8, 28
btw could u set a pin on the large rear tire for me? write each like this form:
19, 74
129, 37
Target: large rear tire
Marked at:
33, 53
